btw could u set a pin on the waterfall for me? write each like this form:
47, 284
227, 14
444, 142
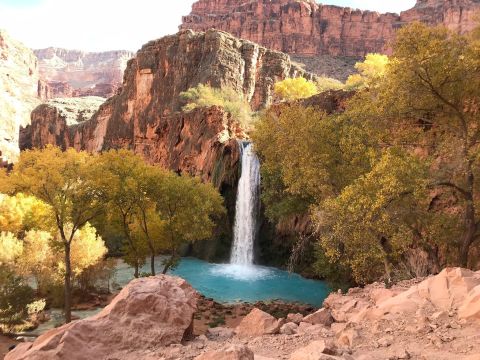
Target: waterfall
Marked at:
247, 206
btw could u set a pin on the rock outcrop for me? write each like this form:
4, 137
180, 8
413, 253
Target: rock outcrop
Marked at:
54, 121
147, 315
67, 73
18, 92
145, 116
304, 27
258, 323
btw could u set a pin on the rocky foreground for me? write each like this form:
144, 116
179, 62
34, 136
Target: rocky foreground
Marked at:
434, 319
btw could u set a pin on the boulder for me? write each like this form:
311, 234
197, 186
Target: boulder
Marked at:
348, 337
258, 323
316, 350
234, 352
470, 308
148, 314
321, 317
289, 328
444, 292
295, 318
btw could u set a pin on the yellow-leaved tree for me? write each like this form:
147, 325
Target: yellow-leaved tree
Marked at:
369, 72
68, 183
295, 88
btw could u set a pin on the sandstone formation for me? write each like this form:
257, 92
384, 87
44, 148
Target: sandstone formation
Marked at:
145, 115
147, 315
53, 121
67, 73
18, 94
309, 29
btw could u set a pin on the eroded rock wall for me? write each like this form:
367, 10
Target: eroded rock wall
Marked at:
18, 92
68, 73
304, 27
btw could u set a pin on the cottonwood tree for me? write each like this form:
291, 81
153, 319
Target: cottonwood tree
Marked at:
67, 182
429, 99
188, 209
121, 172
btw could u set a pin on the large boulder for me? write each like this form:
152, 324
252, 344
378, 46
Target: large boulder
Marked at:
149, 313
446, 291
258, 323
320, 317
234, 352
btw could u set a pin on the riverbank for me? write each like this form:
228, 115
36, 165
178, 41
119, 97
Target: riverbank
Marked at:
437, 318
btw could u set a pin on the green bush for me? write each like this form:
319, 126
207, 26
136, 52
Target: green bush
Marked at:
15, 296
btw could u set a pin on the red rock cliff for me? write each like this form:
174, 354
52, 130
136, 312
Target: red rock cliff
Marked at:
304, 27
145, 115
67, 73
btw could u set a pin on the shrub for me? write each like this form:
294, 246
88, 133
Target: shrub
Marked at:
232, 101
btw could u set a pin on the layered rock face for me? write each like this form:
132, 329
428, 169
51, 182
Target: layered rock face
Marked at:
147, 315
304, 27
145, 115
67, 73
53, 122
18, 91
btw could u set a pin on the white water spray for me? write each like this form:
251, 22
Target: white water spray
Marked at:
247, 207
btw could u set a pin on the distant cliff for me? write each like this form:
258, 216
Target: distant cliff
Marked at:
306, 28
18, 92
67, 73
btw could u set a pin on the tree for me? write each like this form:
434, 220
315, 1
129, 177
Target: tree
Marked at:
231, 100
372, 223
188, 208
429, 100
312, 154
10, 248
122, 170
65, 181
295, 89
370, 71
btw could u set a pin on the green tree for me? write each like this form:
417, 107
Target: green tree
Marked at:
428, 99
122, 171
188, 208
67, 182
295, 89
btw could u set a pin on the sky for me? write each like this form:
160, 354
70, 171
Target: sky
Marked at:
101, 25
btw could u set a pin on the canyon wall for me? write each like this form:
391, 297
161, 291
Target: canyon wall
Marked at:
146, 115
18, 92
306, 28
73, 73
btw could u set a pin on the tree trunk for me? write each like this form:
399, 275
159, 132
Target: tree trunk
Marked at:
152, 264
68, 285
137, 274
469, 234
470, 223
169, 262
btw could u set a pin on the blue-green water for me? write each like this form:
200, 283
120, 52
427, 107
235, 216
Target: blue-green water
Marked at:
231, 283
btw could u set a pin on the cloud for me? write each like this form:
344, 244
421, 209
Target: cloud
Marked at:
100, 25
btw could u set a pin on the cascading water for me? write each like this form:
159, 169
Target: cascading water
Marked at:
247, 206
